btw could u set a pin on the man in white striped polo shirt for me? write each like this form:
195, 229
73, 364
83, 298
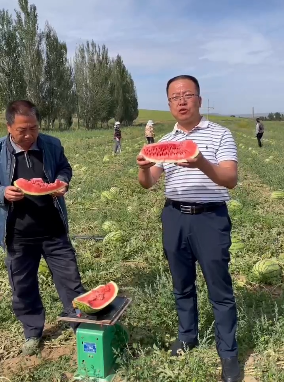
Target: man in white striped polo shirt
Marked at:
195, 220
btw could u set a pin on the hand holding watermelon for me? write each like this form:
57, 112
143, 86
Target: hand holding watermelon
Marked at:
13, 194
143, 163
193, 162
61, 192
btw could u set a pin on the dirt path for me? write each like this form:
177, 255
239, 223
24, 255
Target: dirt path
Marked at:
56, 343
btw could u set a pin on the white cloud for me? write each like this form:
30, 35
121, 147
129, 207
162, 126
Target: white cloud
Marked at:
238, 47
215, 74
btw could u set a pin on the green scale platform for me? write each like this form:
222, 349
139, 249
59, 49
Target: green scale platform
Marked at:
98, 337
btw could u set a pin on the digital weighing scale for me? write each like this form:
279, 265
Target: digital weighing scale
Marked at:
98, 337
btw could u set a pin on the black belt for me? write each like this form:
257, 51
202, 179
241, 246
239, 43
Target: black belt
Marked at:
194, 208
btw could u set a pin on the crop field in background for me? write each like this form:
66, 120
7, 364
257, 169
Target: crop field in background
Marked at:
166, 116
137, 264
158, 116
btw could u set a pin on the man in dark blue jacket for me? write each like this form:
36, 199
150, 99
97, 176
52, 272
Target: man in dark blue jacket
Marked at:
31, 226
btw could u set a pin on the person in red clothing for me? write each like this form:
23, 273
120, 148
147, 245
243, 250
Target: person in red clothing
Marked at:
117, 138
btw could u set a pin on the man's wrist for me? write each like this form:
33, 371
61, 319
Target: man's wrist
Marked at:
203, 163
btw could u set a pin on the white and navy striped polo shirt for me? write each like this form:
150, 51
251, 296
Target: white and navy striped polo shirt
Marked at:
217, 144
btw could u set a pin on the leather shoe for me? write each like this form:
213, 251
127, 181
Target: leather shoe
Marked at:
231, 370
180, 347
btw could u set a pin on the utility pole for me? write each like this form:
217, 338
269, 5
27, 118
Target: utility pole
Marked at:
252, 112
208, 108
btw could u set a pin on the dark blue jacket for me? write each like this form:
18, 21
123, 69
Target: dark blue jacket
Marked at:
56, 166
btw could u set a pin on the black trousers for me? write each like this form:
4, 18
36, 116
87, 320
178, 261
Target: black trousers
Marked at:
150, 140
22, 263
258, 137
205, 238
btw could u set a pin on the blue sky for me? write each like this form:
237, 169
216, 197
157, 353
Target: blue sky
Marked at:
234, 48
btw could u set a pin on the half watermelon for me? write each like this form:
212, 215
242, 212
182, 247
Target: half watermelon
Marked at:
96, 299
37, 186
171, 152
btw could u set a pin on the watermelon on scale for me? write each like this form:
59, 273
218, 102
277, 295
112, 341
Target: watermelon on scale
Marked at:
96, 299
37, 186
170, 152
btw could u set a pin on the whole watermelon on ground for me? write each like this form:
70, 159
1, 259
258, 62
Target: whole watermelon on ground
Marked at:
106, 159
113, 237
237, 244
110, 226
107, 195
234, 205
267, 271
277, 195
114, 190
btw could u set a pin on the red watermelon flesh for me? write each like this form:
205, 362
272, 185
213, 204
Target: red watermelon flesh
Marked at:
170, 152
37, 186
97, 298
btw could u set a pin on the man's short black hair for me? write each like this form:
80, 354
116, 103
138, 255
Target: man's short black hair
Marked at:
184, 77
20, 107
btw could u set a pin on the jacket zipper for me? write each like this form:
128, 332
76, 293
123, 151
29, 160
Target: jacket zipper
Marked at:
11, 178
62, 214
28, 161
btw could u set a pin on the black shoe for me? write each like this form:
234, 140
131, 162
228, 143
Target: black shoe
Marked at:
180, 347
231, 369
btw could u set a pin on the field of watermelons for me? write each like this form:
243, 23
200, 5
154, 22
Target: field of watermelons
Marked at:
133, 258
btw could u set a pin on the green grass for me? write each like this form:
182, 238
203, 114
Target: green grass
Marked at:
138, 266
155, 115
166, 116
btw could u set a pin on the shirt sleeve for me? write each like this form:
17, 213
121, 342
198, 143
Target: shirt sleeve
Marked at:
227, 149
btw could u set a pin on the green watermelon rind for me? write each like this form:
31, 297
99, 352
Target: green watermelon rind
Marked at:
114, 190
234, 205
106, 158
267, 271
115, 236
85, 308
277, 195
107, 195
236, 247
110, 226
236, 244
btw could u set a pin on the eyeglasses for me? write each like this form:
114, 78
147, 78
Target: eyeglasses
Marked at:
185, 96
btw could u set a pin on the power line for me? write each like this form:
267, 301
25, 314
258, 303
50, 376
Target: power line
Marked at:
208, 108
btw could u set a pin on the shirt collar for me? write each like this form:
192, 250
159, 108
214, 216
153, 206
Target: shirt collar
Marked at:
203, 124
17, 149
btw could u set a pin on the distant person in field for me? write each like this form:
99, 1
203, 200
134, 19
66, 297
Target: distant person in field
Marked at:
259, 130
32, 226
117, 138
196, 225
149, 131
